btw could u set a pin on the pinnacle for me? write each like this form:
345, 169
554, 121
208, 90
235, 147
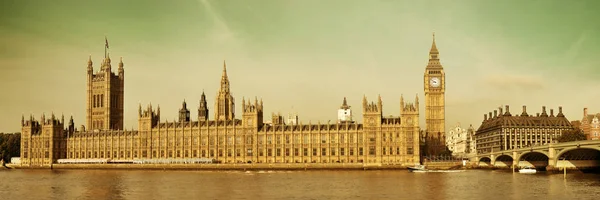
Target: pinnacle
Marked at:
434, 49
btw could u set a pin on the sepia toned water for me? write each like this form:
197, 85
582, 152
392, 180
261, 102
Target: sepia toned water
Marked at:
122, 184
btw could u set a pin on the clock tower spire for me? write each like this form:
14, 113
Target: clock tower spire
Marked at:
435, 98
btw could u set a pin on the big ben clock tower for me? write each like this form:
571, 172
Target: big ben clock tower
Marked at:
435, 88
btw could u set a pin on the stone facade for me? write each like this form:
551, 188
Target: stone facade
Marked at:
105, 96
504, 131
378, 140
435, 90
458, 140
590, 124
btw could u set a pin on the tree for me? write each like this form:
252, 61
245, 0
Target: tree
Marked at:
10, 146
572, 135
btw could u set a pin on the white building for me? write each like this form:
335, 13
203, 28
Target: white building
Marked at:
344, 113
292, 119
460, 141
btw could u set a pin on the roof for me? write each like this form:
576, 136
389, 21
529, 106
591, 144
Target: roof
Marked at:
506, 120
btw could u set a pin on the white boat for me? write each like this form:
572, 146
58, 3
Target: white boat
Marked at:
527, 170
416, 168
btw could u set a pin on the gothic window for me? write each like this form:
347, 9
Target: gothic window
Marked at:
306, 139
323, 151
249, 140
278, 140
269, 139
278, 150
249, 152
372, 150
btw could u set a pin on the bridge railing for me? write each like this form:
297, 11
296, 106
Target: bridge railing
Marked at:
442, 159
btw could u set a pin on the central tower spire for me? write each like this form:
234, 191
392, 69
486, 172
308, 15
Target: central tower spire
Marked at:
224, 105
224, 79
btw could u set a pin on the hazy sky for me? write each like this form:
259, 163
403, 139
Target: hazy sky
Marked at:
301, 55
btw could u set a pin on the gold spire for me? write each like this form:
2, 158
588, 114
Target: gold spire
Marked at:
434, 49
224, 76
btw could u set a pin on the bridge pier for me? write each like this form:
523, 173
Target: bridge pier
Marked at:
551, 157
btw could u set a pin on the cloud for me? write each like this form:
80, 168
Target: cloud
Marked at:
573, 51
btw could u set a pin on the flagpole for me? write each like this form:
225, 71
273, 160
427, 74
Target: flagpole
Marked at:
105, 42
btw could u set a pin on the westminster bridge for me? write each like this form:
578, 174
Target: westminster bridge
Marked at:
583, 154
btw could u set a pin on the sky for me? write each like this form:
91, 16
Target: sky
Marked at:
301, 56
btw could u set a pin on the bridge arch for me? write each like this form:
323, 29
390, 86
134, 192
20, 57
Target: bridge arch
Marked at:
537, 159
485, 161
503, 160
582, 158
528, 153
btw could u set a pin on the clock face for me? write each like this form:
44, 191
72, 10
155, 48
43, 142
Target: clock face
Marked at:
434, 82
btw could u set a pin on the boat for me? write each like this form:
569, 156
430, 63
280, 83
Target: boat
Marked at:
527, 170
417, 168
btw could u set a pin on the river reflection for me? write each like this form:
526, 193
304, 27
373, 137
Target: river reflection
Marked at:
138, 184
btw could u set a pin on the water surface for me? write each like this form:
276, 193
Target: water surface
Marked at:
123, 184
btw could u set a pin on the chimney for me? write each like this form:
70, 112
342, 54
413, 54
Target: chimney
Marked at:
551, 112
507, 110
537, 114
495, 113
543, 109
585, 113
490, 114
524, 114
560, 114
484, 117
500, 111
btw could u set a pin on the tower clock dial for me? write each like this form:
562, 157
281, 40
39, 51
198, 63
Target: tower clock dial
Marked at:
434, 82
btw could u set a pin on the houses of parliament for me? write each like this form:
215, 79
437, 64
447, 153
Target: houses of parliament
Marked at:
229, 136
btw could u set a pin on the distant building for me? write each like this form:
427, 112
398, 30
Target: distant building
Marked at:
461, 141
590, 124
457, 141
472, 144
344, 113
292, 119
503, 131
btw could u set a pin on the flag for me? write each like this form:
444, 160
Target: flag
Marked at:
106, 42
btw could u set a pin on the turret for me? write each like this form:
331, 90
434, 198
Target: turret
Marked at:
203, 108
252, 115
90, 67
121, 70
184, 113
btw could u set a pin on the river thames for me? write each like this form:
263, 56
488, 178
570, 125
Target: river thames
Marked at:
122, 184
